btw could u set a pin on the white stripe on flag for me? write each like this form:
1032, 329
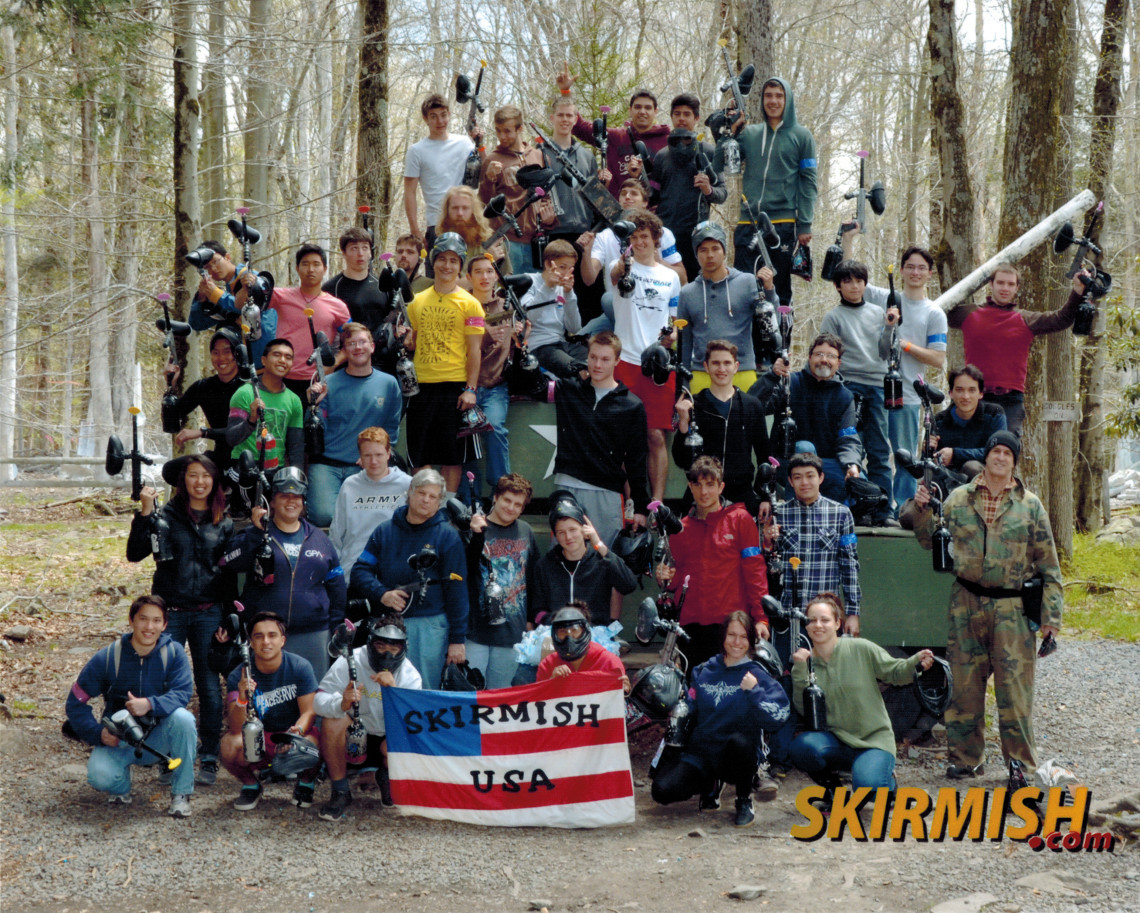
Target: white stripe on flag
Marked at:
581, 814
574, 762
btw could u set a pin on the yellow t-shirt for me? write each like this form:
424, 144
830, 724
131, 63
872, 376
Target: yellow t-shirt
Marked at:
442, 324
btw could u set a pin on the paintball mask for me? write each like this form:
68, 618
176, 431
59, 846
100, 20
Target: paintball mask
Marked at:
384, 634
570, 631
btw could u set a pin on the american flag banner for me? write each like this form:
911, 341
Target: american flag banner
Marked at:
552, 754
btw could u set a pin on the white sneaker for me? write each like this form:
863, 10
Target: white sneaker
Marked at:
179, 807
124, 799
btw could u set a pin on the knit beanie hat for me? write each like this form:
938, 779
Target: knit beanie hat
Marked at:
1007, 439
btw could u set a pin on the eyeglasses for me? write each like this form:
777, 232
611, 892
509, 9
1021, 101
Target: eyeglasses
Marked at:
357, 344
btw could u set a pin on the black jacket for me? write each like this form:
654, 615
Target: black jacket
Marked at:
824, 412
603, 443
732, 440
192, 578
969, 440
591, 579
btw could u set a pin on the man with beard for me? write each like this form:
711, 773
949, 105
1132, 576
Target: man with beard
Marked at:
462, 214
409, 258
823, 410
997, 337
687, 191
622, 160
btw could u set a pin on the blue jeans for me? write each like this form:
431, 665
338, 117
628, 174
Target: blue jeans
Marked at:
833, 486
313, 646
873, 431
494, 401
522, 258
498, 664
427, 647
819, 753
109, 769
902, 425
197, 629
324, 486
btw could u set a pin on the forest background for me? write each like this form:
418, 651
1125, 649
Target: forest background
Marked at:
133, 130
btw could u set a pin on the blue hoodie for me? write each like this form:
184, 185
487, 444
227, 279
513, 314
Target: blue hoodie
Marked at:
383, 566
162, 677
723, 709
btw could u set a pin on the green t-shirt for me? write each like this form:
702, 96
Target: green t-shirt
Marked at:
282, 411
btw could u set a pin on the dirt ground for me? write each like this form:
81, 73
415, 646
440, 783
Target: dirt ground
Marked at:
64, 851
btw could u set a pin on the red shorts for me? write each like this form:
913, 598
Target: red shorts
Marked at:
658, 401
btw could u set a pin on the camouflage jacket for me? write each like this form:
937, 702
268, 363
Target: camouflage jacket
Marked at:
1019, 544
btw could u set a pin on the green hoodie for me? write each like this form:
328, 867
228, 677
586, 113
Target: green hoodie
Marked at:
779, 167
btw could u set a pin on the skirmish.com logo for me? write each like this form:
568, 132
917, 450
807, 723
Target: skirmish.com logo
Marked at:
979, 814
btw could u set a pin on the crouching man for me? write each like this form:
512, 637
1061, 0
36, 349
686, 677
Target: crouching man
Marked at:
149, 662
381, 663
282, 694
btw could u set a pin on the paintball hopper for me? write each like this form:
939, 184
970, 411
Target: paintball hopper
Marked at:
496, 207
423, 560
261, 292
245, 234
646, 620
1096, 287
932, 394
519, 284
667, 521
622, 229
396, 280
341, 641
459, 514
461, 677
646, 159
176, 327
534, 176
473, 421
778, 615
681, 138
116, 456
465, 91
831, 259
656, 364
200, 257
877, 197
766, 233
295, 754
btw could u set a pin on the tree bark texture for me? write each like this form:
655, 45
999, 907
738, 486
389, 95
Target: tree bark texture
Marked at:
373, 172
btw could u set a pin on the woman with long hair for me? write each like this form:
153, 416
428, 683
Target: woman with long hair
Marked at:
731, 702
187, 536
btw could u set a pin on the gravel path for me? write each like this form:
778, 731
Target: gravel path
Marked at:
64, 849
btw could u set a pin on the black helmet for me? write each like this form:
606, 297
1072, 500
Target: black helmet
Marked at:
564, 506
228, 335
935, 687
657, 690
388, 629
655, 363
295, 754
461, 677
449, 241
768, 658
570, 648
289, 480
635, 548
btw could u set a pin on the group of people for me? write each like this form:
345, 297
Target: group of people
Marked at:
352, 532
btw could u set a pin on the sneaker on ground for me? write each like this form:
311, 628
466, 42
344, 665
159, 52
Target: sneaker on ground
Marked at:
385, 785
248, 798
744, 814
710, 801
124, 799
964, 772
207, 774
179, 807
333, 810
303, 794
765, 785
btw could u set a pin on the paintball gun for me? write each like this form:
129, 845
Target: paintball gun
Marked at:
815, 703
1097, 282
523, 365
764, 236
356, 738
321, 358
878, 197
395, 283
464, 94
602, 133
133, 730
592, 191
893, 380
423, 563
660, 688
117, 456
626, 284
263, 556
537, 180
260, 288
252, 730
172, 329
721, 122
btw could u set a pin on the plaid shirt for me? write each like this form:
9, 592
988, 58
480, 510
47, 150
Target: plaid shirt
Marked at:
822, 536
992, 501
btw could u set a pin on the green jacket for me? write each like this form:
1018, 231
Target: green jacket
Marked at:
1019, 545
779, 167
856, 714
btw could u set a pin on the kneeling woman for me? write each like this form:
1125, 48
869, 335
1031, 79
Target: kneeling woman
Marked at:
731, 702
848, 671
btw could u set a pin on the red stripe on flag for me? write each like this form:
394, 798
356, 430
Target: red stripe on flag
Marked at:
617, 784
577, 685
553, 739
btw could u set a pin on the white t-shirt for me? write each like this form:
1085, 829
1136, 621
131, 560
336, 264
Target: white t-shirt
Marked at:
639, 319
607, 249
923, 324
438, 163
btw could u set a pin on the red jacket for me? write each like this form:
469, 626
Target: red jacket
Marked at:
722, 556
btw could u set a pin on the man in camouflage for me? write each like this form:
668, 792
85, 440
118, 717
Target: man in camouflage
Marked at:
1001, 538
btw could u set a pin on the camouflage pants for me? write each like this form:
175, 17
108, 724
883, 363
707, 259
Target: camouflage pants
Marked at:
989, 636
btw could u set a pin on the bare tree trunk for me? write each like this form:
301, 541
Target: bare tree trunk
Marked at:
323, 230
99, 418
955, 251
9, 356
1093, 464
187, 212
1030, 174
213, 164
258, 111
373, 171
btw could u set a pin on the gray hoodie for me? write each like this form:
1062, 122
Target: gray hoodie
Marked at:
719, 310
